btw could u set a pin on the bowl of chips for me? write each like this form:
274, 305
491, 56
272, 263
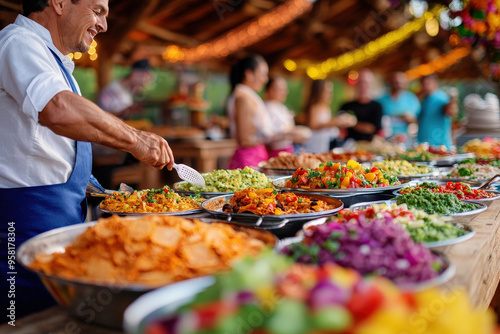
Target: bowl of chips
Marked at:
97, 269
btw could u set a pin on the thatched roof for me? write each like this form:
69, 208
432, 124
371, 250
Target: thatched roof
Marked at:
332, 27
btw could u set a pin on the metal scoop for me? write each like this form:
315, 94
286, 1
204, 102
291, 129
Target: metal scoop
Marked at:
487, 183
190, 175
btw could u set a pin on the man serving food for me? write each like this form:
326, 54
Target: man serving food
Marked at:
46, 128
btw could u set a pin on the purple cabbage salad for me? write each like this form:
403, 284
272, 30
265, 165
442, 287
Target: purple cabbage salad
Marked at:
376, 247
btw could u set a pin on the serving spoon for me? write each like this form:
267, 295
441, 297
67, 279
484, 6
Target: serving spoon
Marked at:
190, 175
487, 183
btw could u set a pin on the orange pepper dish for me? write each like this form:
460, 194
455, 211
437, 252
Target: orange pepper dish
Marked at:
336, 176
269, 202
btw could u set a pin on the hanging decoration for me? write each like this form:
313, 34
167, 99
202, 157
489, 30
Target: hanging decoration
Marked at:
438, 64
365, 54
242, 36
92, 53
480, 26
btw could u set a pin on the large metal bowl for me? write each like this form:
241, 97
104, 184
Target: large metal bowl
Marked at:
458, 218
93, 302
163, 302
486, 201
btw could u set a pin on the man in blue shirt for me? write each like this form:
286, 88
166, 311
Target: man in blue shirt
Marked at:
400, 106
437, 110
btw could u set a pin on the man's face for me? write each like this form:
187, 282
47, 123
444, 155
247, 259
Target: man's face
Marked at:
398, 81
138, 79
82, 22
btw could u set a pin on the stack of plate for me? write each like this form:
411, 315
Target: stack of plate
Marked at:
482, 114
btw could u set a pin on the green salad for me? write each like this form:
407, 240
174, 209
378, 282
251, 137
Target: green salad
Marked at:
431, 202
229, 180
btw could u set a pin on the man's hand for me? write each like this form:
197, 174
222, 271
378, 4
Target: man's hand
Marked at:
408, 118
345, 121
451, 109
153, 150
70, 115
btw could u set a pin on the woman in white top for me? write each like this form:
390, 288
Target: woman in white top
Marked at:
249, 120
319, 118
282, 119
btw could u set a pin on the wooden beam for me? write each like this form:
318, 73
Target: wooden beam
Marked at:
167, 35
117, 31
10, 5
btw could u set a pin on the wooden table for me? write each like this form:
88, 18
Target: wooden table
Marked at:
478, 272
205, 153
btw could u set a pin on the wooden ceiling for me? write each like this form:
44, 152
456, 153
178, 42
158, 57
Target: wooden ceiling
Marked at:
138, 29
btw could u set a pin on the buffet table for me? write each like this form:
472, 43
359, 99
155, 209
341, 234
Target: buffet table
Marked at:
477, 272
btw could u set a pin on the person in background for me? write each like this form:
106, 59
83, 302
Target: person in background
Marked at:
118, 97
318, 117
249, 119
400, 106
367, 111
437, 110
46, 127
282, 118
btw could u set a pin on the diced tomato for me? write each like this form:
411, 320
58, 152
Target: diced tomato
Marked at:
301, 171
365, 303
291, 199
374, 169
303, 179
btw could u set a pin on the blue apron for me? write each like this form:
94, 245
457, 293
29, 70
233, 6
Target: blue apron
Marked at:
38, 209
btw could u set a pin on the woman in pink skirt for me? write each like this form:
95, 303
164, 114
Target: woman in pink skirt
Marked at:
249, 120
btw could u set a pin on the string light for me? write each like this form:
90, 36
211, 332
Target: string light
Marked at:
367, 52
242, 36
438, 64
92, 53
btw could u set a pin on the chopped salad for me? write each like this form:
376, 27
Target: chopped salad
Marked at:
336, 176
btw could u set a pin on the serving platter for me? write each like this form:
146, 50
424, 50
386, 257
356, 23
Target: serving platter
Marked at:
204, 194
458, 218
486, 201
174, 213
280, 184
214, 207
446, 160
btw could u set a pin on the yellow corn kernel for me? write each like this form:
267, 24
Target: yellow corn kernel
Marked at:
268, 200
277, 211
349, 174
252, 195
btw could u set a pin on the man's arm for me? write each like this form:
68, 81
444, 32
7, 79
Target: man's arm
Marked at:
72, 116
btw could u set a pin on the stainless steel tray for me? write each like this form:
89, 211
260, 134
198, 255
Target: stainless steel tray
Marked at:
486, 201
458, 218
176, 213
214, 207
280, 184
204, 194
446, 160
